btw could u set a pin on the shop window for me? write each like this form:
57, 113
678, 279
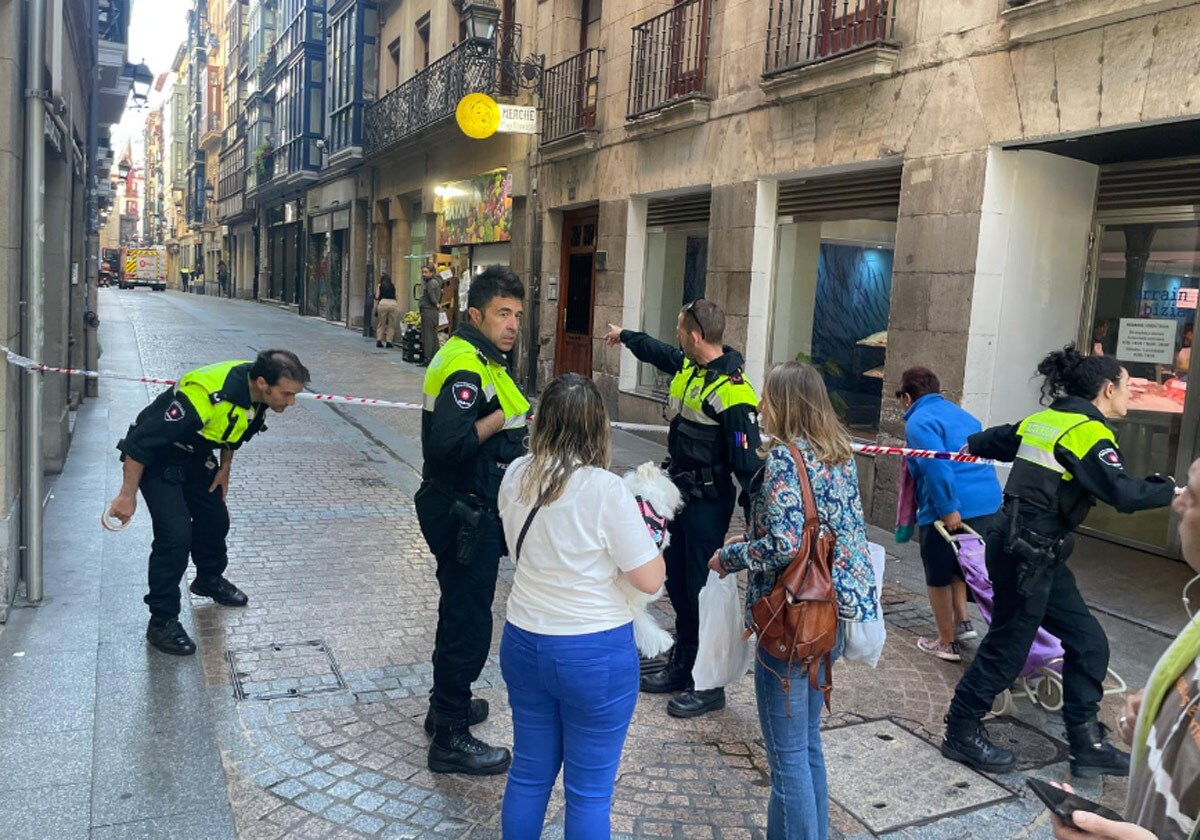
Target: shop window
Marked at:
832, 296
676, 274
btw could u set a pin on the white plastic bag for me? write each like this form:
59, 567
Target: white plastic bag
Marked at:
723, 656
865, 639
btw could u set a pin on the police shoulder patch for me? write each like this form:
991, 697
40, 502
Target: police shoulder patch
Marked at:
174, 412
465, 393
1110, 457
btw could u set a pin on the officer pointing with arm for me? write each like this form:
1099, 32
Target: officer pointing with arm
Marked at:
472, 428
713, 440
1064, 459
168, 455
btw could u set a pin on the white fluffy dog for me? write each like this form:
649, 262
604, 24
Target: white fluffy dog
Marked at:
659, 500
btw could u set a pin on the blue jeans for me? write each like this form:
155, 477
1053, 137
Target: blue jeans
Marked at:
572, 698
791, 725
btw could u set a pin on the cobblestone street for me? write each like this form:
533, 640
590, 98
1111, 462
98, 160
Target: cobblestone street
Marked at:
319, 688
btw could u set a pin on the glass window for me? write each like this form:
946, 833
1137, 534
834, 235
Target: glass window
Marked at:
676, 273
832, 298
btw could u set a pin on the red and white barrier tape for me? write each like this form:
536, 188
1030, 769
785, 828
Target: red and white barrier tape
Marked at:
34, 367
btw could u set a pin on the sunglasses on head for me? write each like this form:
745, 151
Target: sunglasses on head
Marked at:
688, 310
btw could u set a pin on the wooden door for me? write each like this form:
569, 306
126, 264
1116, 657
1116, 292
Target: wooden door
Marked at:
577, 294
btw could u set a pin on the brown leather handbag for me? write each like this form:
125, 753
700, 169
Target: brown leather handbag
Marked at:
797, 620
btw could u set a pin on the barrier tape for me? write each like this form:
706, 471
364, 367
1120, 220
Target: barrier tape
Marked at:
369, 402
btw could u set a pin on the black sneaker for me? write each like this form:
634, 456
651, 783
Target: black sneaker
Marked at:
967, 743
456, 750
170, 637
695, 703
477, 714
1092, 755
379, 344
220, 590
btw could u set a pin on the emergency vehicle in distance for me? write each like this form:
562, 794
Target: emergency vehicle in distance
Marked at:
145, 266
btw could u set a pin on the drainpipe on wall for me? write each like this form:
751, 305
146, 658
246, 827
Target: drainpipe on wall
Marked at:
32, 293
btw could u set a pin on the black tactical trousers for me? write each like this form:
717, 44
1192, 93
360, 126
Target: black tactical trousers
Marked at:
1055, 605
464, 628
696, 533
187, 520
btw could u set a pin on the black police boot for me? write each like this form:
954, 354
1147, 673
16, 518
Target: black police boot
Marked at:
220, 590
1092, 755
676, 675
478, 713
456, 750
694, 703
169, 636
967, 743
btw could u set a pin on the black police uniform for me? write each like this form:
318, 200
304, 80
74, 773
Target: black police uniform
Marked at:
174, 438
1064, 459
714, 438
456, 505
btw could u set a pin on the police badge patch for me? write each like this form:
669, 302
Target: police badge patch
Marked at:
174, 412
1110, 457
465, 393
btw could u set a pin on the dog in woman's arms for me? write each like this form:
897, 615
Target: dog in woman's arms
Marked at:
658, 500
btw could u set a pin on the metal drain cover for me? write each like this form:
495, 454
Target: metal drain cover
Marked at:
889, 779
284, 669
1033, 747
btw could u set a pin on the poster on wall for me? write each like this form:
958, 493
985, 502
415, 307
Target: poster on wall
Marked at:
1146, 340
476, 211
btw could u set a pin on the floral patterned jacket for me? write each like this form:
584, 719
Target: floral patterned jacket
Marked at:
778, 522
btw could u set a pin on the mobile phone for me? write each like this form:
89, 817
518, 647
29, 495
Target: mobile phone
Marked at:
1064, 804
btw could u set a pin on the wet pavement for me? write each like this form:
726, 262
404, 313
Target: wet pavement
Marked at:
301, 716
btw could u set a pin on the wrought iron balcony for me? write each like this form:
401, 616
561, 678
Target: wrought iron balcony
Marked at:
431, 96
570, 96
801, 32
669, 57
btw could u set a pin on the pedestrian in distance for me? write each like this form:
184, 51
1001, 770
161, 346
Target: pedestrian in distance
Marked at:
796, 410
223, 278
713, 441
1064, 458
387, 311
954, 494
429, 308
568, 655
168, 454
473, 426
1163, 801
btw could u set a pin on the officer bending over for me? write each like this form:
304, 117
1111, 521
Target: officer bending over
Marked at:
713, 439
1064, 459
168, 455
472, 428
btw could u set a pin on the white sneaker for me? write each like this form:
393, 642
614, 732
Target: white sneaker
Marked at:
966, 632
949, 653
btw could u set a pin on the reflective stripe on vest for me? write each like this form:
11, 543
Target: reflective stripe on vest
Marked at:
1040, 433
456, 355
224, 422
689, 396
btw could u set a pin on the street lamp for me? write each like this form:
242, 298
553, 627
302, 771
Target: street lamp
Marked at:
480, 18
142, 80
123, 169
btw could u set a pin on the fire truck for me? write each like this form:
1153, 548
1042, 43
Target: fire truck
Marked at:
143, 267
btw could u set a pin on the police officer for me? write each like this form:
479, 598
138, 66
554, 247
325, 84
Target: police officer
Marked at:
472, 428
1064, 458
713, 439
168, 454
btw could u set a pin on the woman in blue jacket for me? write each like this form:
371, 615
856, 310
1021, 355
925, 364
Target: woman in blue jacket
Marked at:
957, 494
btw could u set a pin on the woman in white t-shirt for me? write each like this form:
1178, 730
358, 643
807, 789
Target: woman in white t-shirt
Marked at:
567, 653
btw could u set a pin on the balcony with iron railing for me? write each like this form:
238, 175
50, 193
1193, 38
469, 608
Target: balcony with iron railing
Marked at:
431, 96
570, 100
814, 46
669, 59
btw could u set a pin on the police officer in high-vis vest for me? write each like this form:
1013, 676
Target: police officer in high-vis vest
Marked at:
713, 440
472, 428
168, 454
1064, 459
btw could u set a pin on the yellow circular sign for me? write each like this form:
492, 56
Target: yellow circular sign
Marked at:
478, 115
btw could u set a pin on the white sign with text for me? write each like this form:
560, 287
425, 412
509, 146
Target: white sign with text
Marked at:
518, 119
1147, 340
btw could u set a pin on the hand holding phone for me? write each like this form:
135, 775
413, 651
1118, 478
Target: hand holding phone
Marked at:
1065, 803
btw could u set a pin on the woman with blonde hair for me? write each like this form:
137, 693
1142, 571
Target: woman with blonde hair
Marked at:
795, 409
567, 654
